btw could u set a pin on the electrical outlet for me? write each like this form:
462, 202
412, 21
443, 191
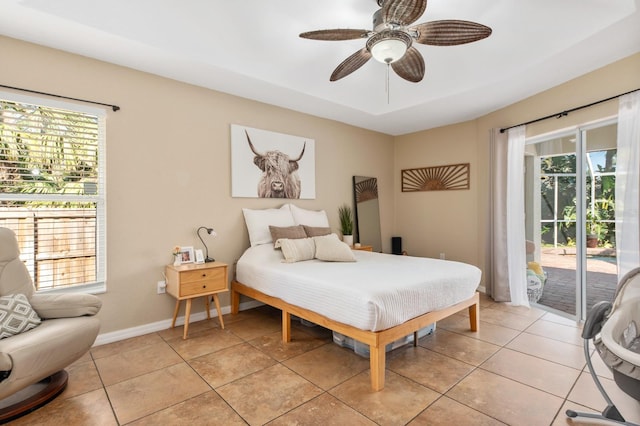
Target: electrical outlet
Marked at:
442, 256
162, 287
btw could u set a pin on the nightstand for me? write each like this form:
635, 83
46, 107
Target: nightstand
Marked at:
362, 247
186, 282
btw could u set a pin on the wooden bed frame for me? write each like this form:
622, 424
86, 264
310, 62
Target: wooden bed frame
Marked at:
377, 340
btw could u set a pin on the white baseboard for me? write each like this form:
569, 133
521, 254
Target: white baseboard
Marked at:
140, 330
481, 289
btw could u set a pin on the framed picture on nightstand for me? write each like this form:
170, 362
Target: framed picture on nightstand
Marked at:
186, 254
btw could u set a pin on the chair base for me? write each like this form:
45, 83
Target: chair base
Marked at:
33, 397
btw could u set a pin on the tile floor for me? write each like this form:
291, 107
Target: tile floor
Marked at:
524, 367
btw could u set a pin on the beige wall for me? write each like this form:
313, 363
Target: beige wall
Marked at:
168, 154
168, 165
456, 222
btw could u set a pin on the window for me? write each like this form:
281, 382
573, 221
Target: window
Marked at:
52, 190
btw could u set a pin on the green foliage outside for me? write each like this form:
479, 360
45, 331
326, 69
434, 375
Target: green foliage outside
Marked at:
600, 211
47, 151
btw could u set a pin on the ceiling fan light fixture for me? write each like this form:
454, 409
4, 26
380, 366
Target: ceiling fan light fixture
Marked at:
388, 51
389, 46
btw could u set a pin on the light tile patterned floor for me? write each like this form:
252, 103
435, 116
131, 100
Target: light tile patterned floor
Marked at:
524, 367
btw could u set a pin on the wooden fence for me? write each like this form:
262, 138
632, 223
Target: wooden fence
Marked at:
58, 246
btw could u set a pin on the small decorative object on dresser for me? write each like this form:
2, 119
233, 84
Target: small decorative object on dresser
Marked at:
186, 254
346, 223
177, 256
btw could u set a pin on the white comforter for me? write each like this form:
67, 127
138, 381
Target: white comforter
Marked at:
377, 292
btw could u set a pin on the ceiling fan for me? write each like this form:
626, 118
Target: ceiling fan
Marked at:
391, 39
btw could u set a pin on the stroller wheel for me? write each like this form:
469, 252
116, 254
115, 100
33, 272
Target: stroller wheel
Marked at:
571, 413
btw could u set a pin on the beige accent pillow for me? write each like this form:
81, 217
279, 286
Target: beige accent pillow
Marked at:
290, 232
316, 231
331, 249
296, 250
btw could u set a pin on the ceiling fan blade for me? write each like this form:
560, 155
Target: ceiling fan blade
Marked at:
450, 32
351, 64
410, 66
402, 12
335, 35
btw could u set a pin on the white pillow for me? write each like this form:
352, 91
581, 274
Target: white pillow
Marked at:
296, 250
309, 217
258, 222
330, 248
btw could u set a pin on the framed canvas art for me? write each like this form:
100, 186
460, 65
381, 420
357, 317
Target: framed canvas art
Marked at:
267, 164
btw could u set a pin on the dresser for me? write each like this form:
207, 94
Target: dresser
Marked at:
186, 282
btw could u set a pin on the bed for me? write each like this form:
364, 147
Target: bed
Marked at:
376, 299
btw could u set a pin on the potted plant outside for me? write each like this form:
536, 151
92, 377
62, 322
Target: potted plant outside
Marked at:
346, 223
594, 227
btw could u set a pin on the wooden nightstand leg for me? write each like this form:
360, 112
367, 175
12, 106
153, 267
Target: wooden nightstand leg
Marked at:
175, 313
217, 302
187, 313
206, 304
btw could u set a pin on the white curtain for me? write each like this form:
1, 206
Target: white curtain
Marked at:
508, 266
516, 253
627, 183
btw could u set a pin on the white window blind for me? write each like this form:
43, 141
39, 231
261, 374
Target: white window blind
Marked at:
52, 190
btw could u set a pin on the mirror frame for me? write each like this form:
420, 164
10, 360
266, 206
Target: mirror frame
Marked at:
365, 188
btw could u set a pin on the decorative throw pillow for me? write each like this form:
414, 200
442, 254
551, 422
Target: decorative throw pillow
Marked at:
258, 222
296, 250
290, 232
330, 248
316, 231
16, 315
309, 217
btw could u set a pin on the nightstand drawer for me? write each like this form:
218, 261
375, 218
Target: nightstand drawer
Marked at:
204, 286
187, 277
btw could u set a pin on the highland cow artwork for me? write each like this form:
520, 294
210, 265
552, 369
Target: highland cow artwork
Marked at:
271, 165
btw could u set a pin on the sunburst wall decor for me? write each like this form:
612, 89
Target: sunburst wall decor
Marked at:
438, 178
366, 190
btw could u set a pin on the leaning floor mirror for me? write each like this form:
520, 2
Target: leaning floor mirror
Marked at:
367, 212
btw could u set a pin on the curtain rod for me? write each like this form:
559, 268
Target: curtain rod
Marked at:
114, 107
566, 112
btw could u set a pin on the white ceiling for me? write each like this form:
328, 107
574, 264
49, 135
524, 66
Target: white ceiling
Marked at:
251, 48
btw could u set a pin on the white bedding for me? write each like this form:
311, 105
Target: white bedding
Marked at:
377, 292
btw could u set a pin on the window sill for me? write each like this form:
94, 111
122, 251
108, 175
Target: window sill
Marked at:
93, 288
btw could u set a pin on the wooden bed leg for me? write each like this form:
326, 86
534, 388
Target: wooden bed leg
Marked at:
286, 327
377, 362
235, 302
474, 316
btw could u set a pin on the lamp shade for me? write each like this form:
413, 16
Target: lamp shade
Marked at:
389, 50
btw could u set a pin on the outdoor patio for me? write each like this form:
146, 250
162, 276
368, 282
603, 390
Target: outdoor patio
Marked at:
560, 289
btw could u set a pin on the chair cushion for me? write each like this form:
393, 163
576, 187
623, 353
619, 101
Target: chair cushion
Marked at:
65, 305
16, 315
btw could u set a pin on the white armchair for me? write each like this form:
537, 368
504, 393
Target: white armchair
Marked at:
41, 334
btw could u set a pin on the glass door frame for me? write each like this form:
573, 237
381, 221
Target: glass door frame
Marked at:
579, 132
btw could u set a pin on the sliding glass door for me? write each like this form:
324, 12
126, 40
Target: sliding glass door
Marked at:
570, 223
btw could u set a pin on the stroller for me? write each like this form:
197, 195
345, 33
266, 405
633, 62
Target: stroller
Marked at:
615, 330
